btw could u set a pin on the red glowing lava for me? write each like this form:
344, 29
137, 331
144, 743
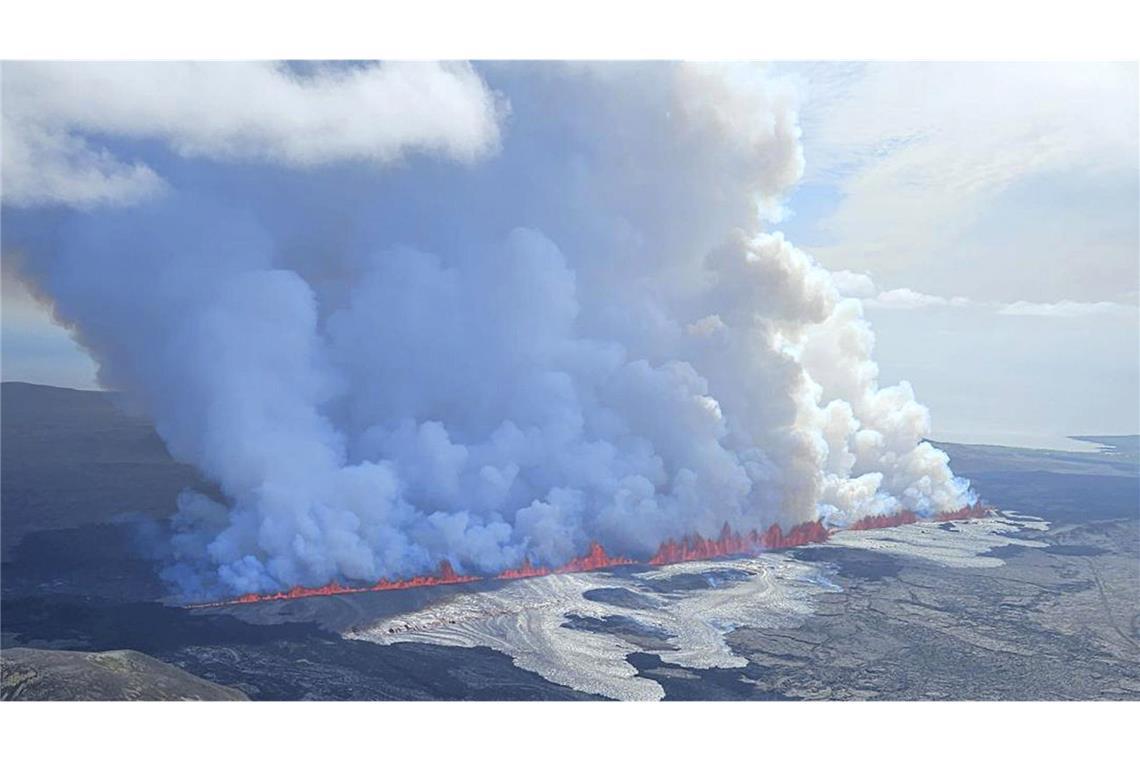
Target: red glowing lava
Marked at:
730, 542
697, 547
965, 513
525, 570
445, 576
906, 516
804, 533
670, 552
594, 559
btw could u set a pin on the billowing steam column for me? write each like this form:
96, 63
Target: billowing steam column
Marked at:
577, 329
671, 552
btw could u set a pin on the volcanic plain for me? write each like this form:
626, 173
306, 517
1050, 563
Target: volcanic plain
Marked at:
1039, 601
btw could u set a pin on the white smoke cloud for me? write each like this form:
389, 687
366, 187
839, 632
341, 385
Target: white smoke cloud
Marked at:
593, 339
233, 111
854, 284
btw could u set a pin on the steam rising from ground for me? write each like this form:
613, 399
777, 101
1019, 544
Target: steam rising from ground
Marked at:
587, 336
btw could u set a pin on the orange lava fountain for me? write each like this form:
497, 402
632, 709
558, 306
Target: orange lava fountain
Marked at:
445, 576
670, 552
595, 559
905, 517
965, 513
697, 547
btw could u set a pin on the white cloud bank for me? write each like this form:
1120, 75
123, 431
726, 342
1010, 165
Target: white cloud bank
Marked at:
250, 111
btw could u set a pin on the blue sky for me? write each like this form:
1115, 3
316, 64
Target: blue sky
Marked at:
991, 211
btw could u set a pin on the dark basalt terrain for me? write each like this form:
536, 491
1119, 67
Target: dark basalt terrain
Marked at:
1044, 626
40, 674
86, 488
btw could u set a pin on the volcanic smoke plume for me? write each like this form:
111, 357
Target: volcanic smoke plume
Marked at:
583, 331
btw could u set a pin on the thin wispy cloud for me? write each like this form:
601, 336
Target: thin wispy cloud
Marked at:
905, 298
1066, 309
862, 286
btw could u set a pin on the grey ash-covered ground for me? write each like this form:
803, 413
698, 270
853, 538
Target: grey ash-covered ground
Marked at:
86, 487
